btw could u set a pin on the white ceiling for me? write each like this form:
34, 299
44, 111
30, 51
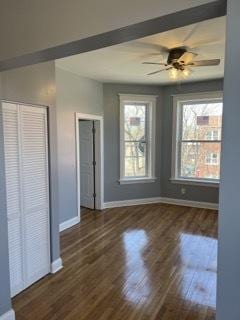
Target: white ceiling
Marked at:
123, 63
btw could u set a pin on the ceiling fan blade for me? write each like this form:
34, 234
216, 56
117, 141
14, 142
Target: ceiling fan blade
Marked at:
203, 63
210, 42
144, 47
161, 49
190, 34
187, 57
154, 55
158, 71
158, 63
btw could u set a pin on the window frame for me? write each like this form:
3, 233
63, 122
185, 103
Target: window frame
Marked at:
150, 102
178, 101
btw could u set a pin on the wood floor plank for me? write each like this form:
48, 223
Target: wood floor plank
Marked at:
148, 262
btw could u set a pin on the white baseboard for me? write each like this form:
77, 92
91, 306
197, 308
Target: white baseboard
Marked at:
189, 203
56, 266
133, 202
179, 202
10, 315
69, 223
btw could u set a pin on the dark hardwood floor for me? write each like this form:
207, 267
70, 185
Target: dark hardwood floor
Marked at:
146, 262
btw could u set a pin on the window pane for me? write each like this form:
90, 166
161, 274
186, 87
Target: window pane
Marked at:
134, 122
200, 160
135, 159
202, 121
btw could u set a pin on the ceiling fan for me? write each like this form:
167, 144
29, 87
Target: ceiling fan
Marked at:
180, 61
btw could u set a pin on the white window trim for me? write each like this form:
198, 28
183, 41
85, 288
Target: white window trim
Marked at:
151, 101
214, 96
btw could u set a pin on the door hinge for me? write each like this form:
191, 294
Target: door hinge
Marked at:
94, 163
93, 130
94, 195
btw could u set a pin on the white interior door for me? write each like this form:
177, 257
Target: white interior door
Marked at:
86, 164
26, 157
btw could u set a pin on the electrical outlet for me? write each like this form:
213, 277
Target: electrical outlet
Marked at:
183, 190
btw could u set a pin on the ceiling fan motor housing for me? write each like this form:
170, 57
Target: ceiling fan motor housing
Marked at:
174, 55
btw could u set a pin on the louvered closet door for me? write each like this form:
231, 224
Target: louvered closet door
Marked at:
13, 189
35, 192
26, 155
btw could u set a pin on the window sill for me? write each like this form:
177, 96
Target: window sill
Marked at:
137, 180
202, 183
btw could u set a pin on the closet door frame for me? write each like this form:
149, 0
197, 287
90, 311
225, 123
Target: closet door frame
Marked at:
47, 150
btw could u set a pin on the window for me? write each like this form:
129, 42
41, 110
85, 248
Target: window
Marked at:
212, 134
197, 138
212, 158
137, 138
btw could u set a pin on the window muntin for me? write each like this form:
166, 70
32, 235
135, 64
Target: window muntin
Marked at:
198, 138
136, 137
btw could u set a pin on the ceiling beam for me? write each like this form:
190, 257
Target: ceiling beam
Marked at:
143, 29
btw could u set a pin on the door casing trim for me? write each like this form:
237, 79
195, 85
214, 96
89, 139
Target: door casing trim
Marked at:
99, 165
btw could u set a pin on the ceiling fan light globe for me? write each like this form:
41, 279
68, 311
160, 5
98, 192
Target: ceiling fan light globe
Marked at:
185, 73
173, 74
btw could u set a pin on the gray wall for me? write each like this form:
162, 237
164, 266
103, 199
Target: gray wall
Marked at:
228, 293
74, 94
113, 191
169, 189
34, 85
162, 187
5, 301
